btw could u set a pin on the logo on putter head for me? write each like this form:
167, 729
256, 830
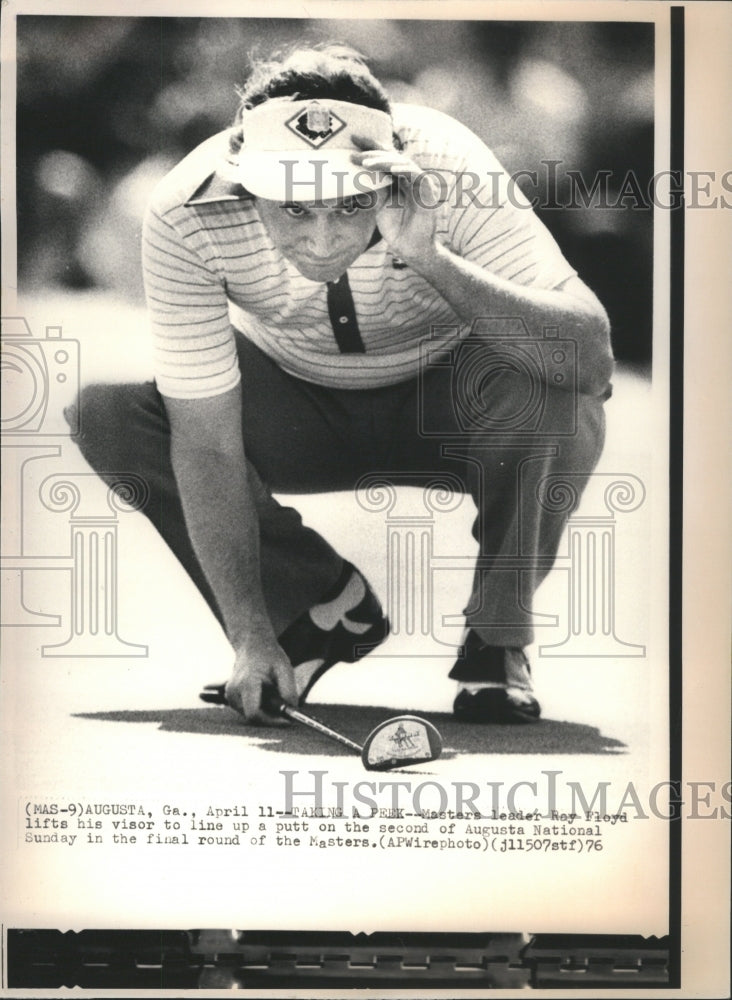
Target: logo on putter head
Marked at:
396, 741
316, 124
404, 741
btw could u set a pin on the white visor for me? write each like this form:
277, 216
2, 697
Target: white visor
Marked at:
300, 151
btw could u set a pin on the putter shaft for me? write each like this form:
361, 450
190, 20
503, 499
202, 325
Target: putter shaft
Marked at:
306, 720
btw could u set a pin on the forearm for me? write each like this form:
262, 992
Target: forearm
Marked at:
222, 521
476, 293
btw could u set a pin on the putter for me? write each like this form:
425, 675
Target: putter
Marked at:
396, 742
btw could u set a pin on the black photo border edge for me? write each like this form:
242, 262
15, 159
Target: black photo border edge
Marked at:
676, 494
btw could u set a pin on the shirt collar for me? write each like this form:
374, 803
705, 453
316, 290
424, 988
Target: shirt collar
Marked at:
217, 187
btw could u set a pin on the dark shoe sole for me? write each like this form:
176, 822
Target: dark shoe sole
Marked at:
495, 705
303, 641
345, 647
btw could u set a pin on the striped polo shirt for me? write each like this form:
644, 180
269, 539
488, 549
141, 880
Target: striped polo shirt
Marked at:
210, 266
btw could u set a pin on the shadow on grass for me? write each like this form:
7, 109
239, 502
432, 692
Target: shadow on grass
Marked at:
355, 721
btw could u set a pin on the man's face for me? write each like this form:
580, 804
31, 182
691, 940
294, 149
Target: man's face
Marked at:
322, 238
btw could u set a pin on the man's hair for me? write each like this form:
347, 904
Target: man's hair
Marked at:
326, 71
321, 72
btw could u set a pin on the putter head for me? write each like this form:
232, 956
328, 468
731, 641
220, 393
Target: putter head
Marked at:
402, 740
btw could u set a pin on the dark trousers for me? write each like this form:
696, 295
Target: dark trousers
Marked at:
501, 436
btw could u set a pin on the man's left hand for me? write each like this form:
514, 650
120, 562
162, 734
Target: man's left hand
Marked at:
407, 218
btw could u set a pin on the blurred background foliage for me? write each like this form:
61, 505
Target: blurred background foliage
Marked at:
106, 105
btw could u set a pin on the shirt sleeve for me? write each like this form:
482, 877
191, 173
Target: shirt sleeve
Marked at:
194, 350
495, 226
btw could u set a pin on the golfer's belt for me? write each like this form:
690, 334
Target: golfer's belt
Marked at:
223, 959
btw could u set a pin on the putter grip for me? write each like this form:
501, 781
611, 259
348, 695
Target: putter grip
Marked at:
272, 702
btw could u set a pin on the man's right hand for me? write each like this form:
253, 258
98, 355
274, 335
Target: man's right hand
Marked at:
260, 664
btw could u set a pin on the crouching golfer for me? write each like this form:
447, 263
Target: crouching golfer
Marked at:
296, 266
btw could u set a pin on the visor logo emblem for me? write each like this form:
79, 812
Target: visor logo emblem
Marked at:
316, 125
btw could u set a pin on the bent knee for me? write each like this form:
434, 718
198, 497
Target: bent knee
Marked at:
110, 418
522, 406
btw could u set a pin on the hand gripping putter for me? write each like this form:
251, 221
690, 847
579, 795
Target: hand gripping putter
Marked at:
396, 742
